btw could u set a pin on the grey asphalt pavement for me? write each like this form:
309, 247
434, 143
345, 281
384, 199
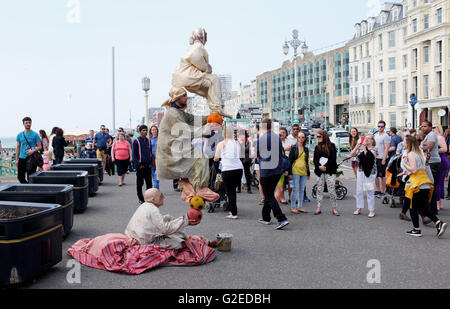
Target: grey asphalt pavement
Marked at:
311, 252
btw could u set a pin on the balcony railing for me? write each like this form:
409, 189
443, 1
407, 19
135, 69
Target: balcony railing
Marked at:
362, 100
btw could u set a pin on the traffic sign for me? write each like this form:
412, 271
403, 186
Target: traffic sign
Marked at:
414, 101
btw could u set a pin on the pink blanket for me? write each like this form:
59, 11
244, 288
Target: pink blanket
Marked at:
119, 253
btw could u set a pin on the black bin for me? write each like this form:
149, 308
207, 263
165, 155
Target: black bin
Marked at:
79, 180
99, 162
47, 194
90, 168
30, 240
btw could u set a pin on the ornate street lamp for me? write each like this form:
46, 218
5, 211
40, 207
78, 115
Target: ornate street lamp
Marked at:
146, 88
295, 43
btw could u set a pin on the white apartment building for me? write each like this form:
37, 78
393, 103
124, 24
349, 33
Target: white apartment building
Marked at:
379, 70
429, 51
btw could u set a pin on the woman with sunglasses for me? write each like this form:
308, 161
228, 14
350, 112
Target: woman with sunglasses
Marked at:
325, 156
299, 158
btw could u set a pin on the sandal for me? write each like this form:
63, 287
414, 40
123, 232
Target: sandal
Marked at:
302, 211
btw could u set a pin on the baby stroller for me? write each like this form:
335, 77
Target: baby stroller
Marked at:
341, 190
216, 184
395, 187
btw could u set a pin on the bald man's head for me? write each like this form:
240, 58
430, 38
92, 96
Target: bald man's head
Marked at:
154, 196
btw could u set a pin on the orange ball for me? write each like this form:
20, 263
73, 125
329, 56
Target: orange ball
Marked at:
215, 118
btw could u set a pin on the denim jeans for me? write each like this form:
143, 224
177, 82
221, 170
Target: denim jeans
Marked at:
155, 179
298, 191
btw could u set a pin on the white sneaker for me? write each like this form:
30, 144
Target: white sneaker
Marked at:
357, 212
231, 217
372, 215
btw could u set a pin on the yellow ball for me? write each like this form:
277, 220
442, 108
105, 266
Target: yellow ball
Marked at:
197, 203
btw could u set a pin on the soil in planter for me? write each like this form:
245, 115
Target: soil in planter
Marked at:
14, 214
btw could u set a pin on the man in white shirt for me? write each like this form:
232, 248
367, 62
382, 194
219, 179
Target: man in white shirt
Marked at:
149, 227
383, 141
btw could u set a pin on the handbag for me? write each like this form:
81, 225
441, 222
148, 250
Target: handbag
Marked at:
35, 159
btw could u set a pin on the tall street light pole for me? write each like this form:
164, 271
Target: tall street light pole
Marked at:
295, 43
146, 88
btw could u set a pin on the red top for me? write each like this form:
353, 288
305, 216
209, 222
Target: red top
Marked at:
122, 150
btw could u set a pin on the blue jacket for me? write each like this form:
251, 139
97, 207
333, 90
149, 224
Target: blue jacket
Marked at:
142, 152
270, 157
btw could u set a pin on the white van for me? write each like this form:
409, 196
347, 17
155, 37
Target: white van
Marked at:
344, 137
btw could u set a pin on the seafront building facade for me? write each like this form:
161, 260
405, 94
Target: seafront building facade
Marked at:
429, 49
379, 70
322, 89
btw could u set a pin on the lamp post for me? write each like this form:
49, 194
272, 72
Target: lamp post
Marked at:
295, 43
326, 114
146, 88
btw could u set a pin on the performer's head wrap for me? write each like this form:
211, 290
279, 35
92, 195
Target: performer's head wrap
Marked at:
198, 34
174, 94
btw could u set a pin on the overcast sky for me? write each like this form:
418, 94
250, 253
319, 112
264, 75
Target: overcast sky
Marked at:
58, 71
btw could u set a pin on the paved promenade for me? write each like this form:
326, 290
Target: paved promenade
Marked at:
312, 252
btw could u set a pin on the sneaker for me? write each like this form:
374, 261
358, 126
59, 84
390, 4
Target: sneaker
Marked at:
404, 218
372, 215
306, 199
231, 217
262, 221
441, 228
427, 221
415, 233
357, 212
281, 225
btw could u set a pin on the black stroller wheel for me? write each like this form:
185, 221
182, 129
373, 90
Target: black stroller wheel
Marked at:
341, 193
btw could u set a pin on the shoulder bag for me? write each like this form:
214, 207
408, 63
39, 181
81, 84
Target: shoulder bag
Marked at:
35, 159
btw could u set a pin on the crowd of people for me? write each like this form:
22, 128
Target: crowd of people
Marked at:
281, 163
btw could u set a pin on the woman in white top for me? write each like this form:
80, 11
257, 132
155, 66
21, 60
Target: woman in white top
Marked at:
228, 151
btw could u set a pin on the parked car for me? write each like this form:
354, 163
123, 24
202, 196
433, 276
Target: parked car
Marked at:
341, 136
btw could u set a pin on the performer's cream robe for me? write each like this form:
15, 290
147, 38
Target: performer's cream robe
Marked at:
194, 74
176, 158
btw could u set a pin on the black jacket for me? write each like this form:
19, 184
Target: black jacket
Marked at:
293, 156
58, 145
331, 164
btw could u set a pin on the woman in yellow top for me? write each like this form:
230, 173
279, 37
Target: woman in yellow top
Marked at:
299, 158
419, 186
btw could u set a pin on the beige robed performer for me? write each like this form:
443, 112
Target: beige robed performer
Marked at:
195, 73
176, 157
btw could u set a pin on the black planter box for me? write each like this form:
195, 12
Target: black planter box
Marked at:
99, 162
31, 243
47, 194
78, 179
92, 170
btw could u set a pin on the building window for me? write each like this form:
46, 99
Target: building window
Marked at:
381, 94
369, 117
415, 59
392, 93
439, 51
392, 63
392, 39
426, 86
380, 42
426, 54
405, 92
439, 16
381, 65
414, 25
439, 83
381, 117
426, 21
369, 74
405, 61
415, 86
393, 118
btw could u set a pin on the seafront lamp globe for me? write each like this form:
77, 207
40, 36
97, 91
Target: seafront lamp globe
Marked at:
304, 48
146, 84
286, 48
